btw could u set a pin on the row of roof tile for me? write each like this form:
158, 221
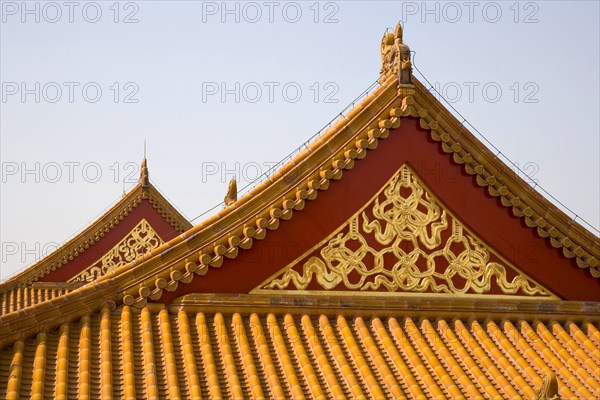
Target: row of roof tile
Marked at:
178, 353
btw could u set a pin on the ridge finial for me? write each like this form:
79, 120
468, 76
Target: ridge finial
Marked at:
395, 57
231, 196
144, 176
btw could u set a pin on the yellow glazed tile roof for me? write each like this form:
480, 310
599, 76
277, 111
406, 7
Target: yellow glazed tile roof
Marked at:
277, 348
111, 338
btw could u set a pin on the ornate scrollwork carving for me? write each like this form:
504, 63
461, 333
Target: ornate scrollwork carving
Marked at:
404, 240
138, 242
395, 57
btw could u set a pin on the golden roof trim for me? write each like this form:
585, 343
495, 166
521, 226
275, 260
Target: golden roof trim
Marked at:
414, 306
56, 285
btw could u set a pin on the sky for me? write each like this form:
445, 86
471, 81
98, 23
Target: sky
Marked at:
217, 89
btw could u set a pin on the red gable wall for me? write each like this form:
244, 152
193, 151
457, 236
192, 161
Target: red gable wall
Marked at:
482, 213
114, 236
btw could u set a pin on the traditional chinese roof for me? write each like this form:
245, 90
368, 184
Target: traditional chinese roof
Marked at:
142, 219
394, 257
234, 347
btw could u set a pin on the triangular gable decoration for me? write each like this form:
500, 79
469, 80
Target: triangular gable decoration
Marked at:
404, 241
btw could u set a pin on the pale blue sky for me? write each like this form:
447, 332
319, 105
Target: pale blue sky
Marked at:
178, 56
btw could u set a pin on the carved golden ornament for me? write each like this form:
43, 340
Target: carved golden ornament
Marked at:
395, 58
404, 240
141, 240
231, 196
